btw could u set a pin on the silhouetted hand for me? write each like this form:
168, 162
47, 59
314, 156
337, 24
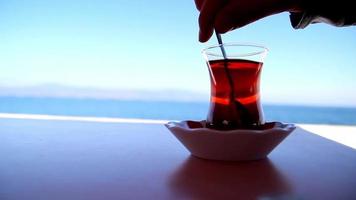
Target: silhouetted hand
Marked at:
227, 15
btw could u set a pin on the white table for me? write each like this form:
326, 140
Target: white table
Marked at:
51, 159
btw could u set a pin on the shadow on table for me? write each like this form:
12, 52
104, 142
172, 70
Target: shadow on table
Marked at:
204, 179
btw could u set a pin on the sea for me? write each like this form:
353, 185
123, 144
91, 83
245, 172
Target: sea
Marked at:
167, 110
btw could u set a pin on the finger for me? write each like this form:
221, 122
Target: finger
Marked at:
207, 17
235, 15
199, 4
239, 14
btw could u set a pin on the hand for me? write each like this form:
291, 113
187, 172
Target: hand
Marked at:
227, 15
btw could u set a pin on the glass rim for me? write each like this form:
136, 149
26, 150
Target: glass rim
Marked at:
257, 52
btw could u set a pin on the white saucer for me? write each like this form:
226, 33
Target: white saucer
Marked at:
231, 145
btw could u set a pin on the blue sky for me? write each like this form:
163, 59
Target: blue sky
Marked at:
153, 45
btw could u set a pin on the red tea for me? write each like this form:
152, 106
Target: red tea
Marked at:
235, 96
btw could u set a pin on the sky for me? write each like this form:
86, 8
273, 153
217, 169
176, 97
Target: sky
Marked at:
152, 45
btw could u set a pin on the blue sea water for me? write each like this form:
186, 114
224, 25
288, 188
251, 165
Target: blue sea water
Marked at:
167, 110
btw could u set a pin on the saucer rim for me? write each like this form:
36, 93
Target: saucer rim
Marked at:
182, 125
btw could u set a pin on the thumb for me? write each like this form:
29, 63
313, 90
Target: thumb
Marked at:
238, 14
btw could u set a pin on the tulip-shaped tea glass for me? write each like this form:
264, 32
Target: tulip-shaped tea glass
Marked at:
235, 86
